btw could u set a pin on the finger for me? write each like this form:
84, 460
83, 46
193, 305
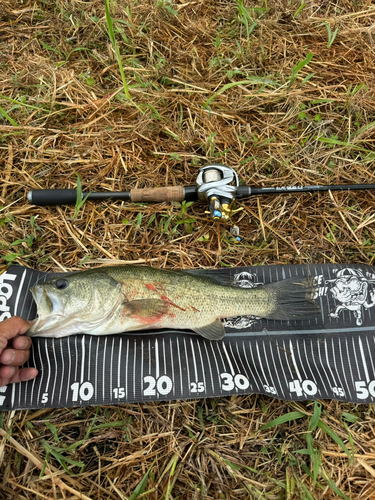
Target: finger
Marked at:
6, 373
14, 357
11, 375
12, 327
23, 375
22, 343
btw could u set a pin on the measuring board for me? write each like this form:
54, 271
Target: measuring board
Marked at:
328, 357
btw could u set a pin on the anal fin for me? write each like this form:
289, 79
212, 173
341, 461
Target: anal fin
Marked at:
213, 331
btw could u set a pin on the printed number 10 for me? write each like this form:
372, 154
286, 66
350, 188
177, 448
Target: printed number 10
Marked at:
85, 391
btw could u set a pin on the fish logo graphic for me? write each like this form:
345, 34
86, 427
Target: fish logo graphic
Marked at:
352, 289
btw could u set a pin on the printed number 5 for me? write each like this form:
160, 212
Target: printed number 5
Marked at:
45, 397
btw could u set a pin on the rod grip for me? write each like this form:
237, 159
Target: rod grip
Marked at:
52, 197
170, 193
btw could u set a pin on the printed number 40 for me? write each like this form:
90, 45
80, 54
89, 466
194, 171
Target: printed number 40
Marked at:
308, 387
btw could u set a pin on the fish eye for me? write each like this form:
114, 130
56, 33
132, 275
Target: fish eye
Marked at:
61, 284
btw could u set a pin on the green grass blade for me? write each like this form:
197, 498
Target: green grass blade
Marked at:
10, 120
140, 488
288, 417
316, 416
112, 37
333, 486
325, 428
255, 80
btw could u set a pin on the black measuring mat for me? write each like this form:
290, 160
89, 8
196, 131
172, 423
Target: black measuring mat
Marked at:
329, 357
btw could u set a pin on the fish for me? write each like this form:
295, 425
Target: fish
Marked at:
120, 299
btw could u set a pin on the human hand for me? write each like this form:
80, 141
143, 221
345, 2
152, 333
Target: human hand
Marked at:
14, 351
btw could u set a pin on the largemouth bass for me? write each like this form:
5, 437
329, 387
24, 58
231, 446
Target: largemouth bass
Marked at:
112, 300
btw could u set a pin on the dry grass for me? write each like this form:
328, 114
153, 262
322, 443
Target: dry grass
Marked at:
66, 114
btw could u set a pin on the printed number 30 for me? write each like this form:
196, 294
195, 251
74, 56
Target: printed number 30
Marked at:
228, 382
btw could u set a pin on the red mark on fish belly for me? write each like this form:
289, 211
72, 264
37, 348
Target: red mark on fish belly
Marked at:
195, 310
168, 301
150, 286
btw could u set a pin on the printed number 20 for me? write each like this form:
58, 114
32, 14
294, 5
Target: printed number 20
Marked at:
163, 385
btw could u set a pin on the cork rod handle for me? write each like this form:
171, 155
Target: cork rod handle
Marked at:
171, 193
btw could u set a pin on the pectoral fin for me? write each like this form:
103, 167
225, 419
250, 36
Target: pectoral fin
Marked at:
152, 309
213, 331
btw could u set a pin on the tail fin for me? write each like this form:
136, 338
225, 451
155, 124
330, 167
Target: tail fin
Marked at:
293, 298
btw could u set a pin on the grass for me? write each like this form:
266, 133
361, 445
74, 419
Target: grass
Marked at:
143, 95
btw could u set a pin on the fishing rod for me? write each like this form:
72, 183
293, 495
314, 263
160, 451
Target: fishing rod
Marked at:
216, 184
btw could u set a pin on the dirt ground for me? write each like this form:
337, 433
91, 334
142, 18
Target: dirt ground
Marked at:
281, 90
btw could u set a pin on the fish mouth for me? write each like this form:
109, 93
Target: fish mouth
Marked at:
49, 311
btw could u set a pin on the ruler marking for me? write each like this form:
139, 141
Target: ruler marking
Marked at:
157, 373
164, 359
142, 361
127, 367
55, 359
103, 374
300, 359
180, 367
217, 366
248, 364
135, 358
334, 360
261, 366
41, 373
363, 360
210, 368
348, 357
356, 360
82, 359
187, 367
24, 299
96, 368
33, 384
48, 364
372, 364
89, 360
276, 370
343, 369
328, 362
228, 359
317, 370
287, 354
234, 357
260, 385
202, 364
119, 363
149, 356
194, 361
63, 369
268, 366
12, 398
111, 371
26, 384
76, 360
20, 289
243, 366
321, 363
222, 361
281, 364
291, 347
70, 369
172, 365
311, 371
